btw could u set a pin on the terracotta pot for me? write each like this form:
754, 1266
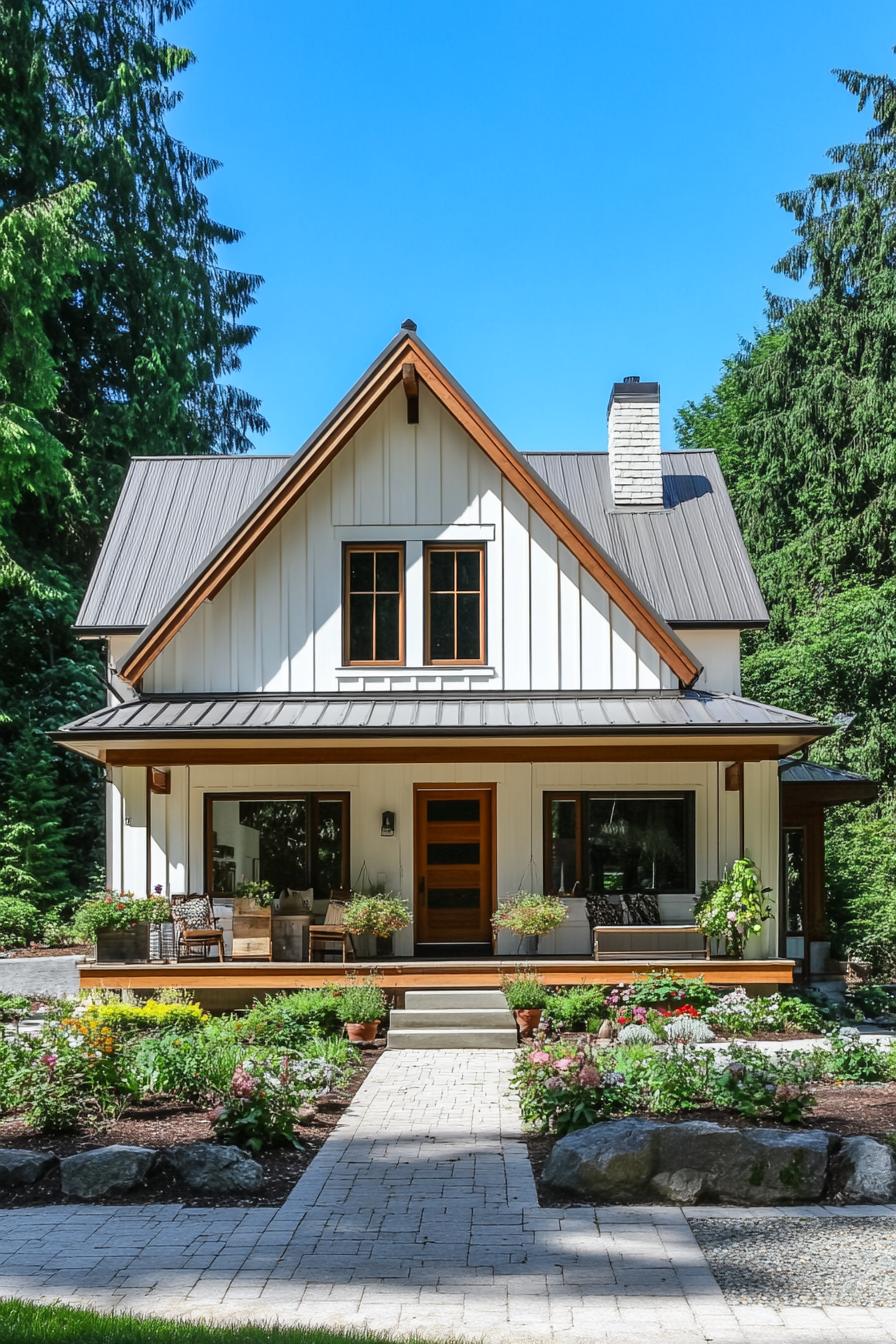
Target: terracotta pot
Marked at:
527, 1019
361, 1033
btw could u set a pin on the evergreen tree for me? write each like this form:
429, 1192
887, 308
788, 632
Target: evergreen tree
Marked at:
804, 423
133, 342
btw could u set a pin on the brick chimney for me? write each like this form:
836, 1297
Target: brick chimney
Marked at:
633, 431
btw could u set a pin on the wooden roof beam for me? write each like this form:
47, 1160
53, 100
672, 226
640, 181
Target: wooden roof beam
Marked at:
411, 391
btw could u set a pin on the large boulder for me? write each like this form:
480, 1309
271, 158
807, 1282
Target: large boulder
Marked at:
215, 1169
106, 1171
863, 1171
635, 1159
742, 1166
21, 1166
612, 1161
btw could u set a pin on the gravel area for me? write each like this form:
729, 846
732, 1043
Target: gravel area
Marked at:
803, 1262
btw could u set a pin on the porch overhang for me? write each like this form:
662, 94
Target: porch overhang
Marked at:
262, 729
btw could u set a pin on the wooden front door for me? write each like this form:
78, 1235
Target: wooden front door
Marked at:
454, 865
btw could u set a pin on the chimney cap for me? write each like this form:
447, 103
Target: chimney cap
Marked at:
633, 390
632, 378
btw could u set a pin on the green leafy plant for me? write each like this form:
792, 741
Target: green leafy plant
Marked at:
754, 1085
20, 922
286, 1021
579, 1008
870, 1001
380, 914
854, 1060
746, 1014
361, 1001
663, 989
117, 910
529, 913
734, 908
260, 1107
127, 1019
261, 894
524, 990
13, 1007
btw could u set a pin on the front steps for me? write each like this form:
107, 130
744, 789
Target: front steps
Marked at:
452, 1019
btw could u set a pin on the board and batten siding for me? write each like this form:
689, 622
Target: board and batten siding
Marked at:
277, 625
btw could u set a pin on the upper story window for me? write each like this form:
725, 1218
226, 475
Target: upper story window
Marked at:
374, 605
455, 604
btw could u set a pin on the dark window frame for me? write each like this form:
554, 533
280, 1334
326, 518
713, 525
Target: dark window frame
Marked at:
580, 798
453, 546
786, 930
349, 549
311, 798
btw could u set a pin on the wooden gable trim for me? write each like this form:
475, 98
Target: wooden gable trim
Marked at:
387, 373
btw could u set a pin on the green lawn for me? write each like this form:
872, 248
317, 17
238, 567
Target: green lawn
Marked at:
22, 1323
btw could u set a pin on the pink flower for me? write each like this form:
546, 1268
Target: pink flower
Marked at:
243, 1084
589, 1076
49, 1059
731, 916
554, 1084
561, 1065
539, 1057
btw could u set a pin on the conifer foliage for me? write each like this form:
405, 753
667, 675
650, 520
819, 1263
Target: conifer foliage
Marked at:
804, 422
120, 333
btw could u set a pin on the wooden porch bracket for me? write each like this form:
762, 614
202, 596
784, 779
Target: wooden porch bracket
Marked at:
158, 779
734, 777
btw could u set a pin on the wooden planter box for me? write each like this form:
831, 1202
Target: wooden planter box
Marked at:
130, 944
251, 931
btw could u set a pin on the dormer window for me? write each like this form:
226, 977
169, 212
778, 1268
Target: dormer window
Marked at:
374, 605
455, 604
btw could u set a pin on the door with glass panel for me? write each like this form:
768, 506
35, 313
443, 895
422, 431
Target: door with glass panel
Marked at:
454, 866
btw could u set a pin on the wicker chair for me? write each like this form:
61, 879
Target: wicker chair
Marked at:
333, 929
194, 941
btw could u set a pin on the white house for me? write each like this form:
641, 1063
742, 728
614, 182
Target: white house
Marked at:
411, 648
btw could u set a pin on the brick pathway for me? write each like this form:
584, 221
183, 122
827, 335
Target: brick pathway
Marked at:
419, 1215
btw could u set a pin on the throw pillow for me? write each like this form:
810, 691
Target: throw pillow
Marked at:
193, 912
643, 908
603, 910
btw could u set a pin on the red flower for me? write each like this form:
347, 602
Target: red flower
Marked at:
687, 1010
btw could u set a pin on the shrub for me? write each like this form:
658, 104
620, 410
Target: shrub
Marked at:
561, 1090
286, 1021
528, 913
382, 914
128, 1019
852, 1060
194, 1067
749, 1016
259, 1108
663, 989
13, 1007
870, 1001
686, 1031
361, 1001
20, 922
580, 1008
524, 990
755, 1085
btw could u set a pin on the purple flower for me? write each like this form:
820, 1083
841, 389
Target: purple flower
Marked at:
554, 1083
589, 1076
49, 1059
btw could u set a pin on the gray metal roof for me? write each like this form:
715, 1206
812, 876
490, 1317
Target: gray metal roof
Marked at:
794, 770
171, 513
369, 715
688, 558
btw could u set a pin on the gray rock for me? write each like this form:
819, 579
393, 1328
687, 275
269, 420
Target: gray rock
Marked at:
684, 1186
106, 1171
214, 1168
863, 1171
21, 1166
748, 1166
610, 1161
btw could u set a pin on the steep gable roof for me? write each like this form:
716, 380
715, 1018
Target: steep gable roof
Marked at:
320, 450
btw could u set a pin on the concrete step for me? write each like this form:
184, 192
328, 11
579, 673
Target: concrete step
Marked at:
453, 1038
454, 998
458, 1018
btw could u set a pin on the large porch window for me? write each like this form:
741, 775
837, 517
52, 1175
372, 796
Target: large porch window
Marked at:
619, 843
292, 840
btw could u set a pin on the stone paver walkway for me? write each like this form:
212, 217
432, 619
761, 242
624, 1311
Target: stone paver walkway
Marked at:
418, 1216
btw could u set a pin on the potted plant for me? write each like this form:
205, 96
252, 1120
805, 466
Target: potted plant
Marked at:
527, 997
253, 896
381, 914
118, 923
529, 914
735, 907
361, 1007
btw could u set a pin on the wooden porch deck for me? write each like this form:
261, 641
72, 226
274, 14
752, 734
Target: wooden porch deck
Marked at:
417, 974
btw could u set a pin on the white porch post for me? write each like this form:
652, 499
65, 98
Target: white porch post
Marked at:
762, 835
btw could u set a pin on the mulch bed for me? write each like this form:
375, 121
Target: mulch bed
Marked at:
162, 1124
869, 1108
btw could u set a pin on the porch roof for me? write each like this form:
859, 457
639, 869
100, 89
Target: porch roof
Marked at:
460, 714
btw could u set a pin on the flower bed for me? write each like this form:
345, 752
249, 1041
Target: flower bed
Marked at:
166, 1073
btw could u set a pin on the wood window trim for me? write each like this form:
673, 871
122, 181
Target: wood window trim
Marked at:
312, 797
349, 549
579, 797
454, 546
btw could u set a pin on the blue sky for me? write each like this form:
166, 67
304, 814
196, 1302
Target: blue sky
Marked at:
558, 195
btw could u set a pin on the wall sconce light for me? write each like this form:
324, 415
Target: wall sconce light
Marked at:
388, 824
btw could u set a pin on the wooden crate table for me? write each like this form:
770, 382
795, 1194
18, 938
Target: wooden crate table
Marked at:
290, 937
251, 932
